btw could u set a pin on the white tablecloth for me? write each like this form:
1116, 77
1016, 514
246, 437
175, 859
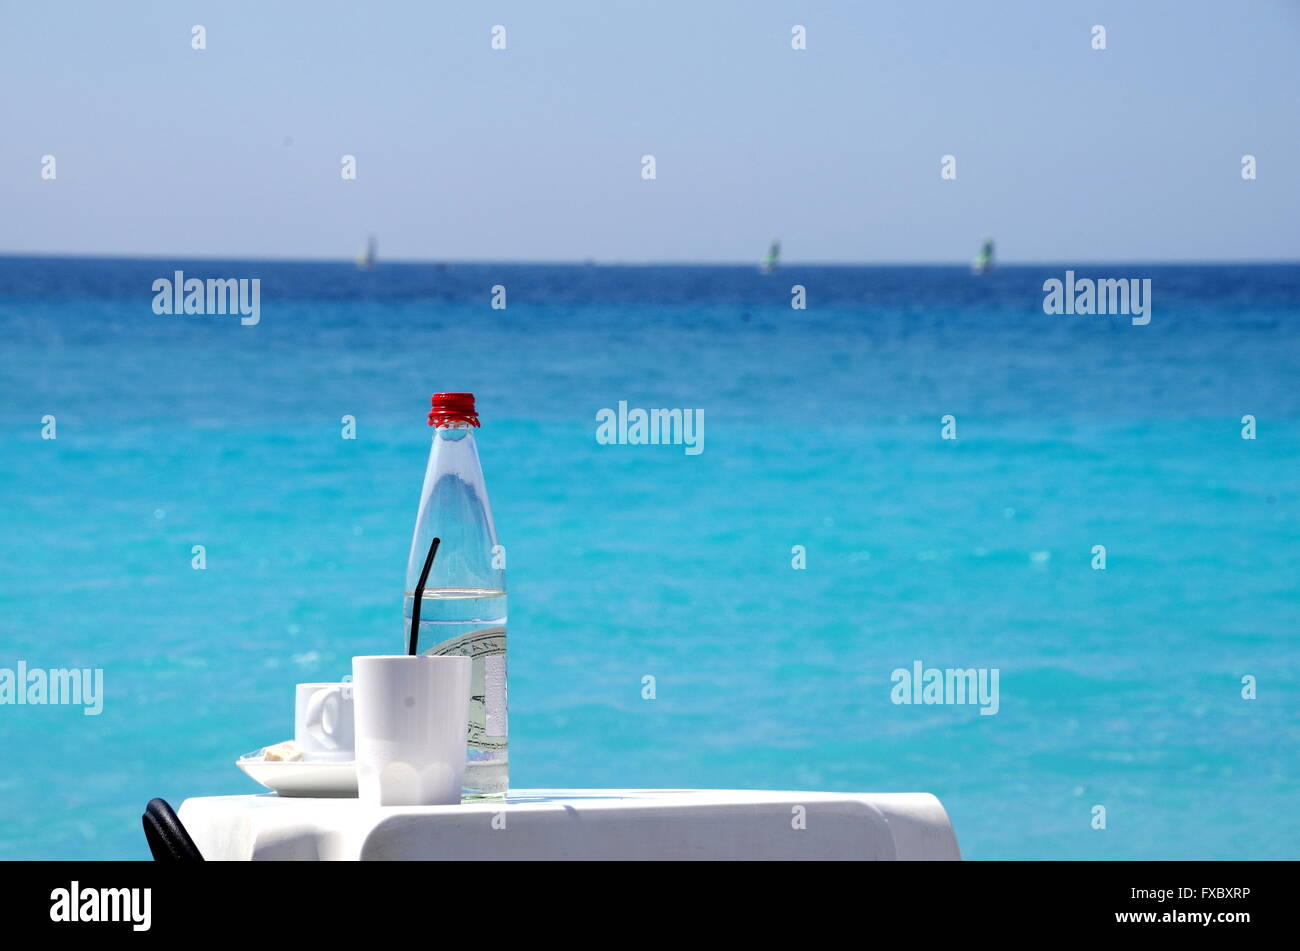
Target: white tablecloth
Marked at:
580, 824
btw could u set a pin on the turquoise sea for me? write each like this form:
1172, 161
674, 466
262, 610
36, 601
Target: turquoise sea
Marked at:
1119, 688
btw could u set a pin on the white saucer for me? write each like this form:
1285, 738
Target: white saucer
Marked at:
302, 778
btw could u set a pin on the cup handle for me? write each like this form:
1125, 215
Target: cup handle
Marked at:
314, 718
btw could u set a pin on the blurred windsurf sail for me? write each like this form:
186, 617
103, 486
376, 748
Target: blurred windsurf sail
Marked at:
366, 256
983, 262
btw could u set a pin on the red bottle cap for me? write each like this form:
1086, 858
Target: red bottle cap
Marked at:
453, 408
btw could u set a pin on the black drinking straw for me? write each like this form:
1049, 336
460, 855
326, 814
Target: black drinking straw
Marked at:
419, 595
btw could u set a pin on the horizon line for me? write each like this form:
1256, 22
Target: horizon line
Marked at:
598, 262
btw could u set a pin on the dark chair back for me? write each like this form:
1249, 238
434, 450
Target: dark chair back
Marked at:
167, 838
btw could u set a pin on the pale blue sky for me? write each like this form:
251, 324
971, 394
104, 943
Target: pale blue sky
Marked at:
533, 153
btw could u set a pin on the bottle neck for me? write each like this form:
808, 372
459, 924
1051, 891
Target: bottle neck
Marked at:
457, 439
454, 507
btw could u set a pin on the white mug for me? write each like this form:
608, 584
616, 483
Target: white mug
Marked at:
411, 718
323, 721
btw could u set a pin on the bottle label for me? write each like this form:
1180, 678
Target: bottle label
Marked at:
487, 700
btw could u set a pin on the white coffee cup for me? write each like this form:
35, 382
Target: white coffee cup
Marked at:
323, 720
411, 718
